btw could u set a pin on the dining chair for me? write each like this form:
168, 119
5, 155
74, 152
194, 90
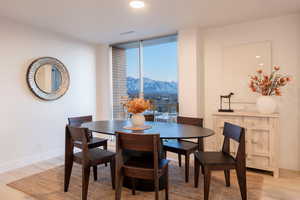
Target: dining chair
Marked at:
183, 147
93, 141
210, 161
149, 117
87, 158
142, 167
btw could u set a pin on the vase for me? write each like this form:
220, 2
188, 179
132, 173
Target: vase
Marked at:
266, 104
138, 120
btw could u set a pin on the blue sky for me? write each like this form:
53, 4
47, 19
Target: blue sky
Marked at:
160, 62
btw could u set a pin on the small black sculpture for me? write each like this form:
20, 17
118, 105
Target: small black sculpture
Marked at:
221, 102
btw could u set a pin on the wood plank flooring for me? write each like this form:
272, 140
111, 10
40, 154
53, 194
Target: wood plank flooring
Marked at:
287, 187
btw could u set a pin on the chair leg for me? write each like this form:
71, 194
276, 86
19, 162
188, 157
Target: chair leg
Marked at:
119, 185
207, 176
179, 160
227, 177
156, 188
133, 185
68, 172
197, 171
118, 181
85, 181
95, 173
105, 148
167, 183
241, 175
112, 173
187, 167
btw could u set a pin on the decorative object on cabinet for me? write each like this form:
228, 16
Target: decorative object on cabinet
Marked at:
268, 86
48, 78
229, 102
262, 138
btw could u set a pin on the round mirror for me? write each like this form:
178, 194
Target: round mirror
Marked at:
48, 78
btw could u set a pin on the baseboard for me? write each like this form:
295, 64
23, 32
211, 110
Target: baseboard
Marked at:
28, 160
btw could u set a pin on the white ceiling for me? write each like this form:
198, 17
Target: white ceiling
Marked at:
102, 21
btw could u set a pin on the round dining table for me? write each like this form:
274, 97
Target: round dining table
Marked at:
166, 131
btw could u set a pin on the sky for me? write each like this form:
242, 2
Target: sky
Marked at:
160, 62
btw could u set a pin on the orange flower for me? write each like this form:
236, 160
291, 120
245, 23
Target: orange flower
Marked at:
254, 78
276, 68
138, 105
277, 92
259, 71
288, 79
282, 81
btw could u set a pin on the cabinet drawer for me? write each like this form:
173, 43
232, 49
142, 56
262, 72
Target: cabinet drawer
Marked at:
261, 123
259, 162
260, 142
233, 120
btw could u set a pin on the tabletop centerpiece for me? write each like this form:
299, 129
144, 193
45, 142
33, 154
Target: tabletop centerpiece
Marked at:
268, 86
136, 107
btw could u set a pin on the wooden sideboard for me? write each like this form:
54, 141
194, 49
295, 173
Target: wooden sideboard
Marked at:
262, 141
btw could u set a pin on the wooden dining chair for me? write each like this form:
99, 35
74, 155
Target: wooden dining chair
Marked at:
87, 158
149, 117
183, 147
223, 160
94, 142
142, 167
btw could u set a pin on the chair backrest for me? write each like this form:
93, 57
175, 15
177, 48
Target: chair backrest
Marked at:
190, 121
138, 141
78, 135
236, 133
77, 121
149, 117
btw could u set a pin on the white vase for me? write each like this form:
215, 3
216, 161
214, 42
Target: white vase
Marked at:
138, 120
266, 104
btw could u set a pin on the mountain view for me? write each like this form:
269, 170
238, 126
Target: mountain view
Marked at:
151, 86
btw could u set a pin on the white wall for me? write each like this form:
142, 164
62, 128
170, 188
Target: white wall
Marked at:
284, 33
31, 129
104, 83
190, 74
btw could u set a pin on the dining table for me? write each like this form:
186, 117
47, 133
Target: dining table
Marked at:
167, 131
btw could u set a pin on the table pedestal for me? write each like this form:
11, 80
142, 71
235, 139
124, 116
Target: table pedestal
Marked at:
141, 184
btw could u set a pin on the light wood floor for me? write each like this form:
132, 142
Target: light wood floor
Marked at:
287, 187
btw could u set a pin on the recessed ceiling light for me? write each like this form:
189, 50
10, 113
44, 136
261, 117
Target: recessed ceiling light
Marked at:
137, 4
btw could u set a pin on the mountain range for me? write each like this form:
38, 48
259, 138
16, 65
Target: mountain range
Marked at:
151, 86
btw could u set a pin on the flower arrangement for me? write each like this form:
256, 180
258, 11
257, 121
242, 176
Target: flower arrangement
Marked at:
137, 105
269, 85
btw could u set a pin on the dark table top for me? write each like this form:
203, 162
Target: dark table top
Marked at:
166, 130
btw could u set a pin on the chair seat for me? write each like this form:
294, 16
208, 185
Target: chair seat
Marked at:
145, 163
93, 143
214, 158
179, 145
97, 156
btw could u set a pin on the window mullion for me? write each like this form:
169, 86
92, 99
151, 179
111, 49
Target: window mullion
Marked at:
141, 68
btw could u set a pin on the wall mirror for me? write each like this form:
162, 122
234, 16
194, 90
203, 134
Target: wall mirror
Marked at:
48, 78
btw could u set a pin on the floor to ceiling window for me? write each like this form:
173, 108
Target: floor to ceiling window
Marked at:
150, 70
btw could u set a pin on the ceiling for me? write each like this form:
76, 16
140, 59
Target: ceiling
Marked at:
102, 21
